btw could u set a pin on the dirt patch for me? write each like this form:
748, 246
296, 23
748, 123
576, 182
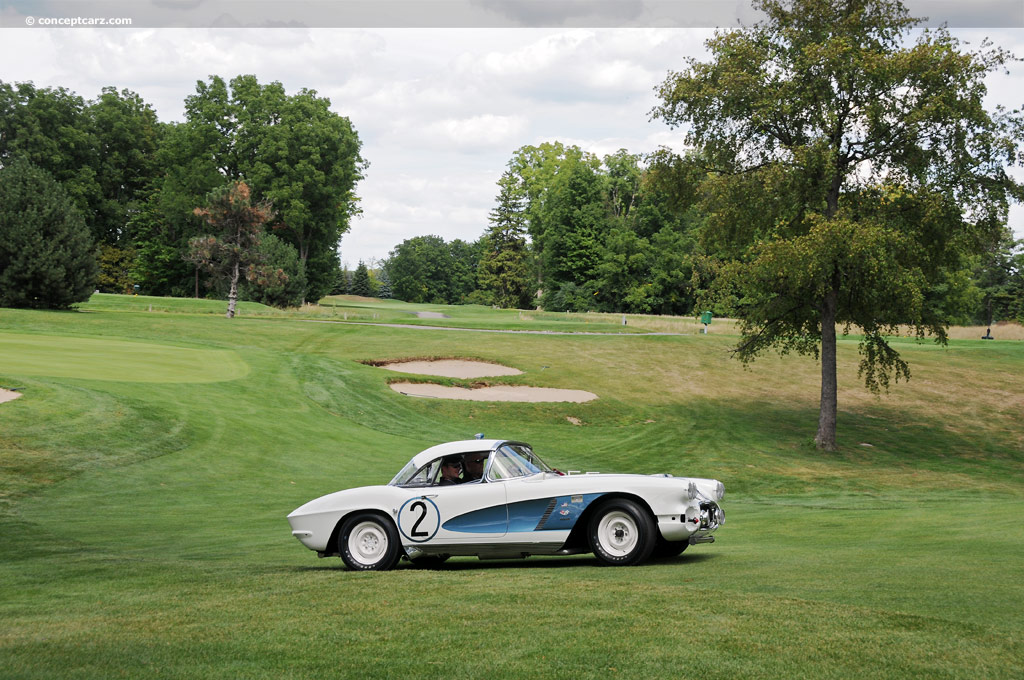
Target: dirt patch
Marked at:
8, 395
518, 393
450, 368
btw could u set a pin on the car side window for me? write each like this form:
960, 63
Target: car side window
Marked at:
509, 463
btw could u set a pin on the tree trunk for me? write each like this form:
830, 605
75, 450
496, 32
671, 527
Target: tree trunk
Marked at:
826, 437
233, 293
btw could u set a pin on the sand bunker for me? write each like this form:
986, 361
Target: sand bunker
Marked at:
452, 368
8, 395
496, 393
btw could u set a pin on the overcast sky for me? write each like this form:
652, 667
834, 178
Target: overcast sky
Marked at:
439, 111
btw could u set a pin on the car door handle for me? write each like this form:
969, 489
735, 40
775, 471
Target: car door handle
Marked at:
431, 495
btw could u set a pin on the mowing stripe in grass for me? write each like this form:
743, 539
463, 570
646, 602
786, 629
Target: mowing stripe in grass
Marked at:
106, 359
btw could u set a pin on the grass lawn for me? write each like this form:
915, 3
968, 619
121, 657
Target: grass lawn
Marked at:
146, 473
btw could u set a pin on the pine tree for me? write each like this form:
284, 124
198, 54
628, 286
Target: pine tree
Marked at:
361, 281
504, 265
233, 252
46, 250
385, 283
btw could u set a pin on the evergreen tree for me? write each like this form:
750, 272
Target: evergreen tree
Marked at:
504, 263
361, 281
998, 279
385, 281
233, 251
288, 291
46, 251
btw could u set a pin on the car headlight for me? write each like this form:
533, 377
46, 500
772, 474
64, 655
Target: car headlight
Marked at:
719, 491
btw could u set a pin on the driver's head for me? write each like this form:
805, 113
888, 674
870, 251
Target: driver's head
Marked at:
474, 465
451, 467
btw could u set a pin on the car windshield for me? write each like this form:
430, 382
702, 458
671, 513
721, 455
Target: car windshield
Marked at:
515, 460
410, 475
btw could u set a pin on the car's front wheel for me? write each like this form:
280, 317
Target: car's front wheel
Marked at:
622, 533
665, 549
369, 542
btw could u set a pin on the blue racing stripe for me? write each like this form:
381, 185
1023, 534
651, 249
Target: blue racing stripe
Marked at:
492, 520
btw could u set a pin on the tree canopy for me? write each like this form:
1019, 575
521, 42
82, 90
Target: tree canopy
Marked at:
292, 150
429, 269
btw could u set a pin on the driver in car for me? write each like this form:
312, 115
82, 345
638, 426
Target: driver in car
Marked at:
473, 463
451, 467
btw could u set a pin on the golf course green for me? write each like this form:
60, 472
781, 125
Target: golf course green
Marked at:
147, 469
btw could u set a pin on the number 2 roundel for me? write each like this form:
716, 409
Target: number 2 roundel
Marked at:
419, 519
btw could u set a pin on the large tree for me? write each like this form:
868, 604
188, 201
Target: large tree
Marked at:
291, 150
102, 152
564, 208
49, 128
998, 278
126, 132
851, 168
504, 262
46, 251
295, 152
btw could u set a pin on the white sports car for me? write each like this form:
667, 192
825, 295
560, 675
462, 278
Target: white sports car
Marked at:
497, 499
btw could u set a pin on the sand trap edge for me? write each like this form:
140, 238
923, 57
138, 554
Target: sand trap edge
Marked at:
508, 393
451, 367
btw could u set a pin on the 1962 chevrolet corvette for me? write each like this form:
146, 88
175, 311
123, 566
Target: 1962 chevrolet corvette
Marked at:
497, 499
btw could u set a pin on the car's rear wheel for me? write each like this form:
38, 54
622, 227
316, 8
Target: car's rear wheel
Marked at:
369, 542
622, 533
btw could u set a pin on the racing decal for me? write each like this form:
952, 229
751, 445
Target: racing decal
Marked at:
540, 514
548, 514
419, 519
566, 510
492, 520
528, 515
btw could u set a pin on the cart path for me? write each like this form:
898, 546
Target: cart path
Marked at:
489, 330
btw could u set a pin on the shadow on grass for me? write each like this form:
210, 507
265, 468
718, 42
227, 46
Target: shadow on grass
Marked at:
539, 562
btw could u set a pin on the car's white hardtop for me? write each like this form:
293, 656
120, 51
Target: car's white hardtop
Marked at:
454, 449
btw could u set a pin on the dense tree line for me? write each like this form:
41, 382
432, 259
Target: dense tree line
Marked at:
135, 182
569, 232
643, 233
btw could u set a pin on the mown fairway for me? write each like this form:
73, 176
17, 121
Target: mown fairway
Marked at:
146, 473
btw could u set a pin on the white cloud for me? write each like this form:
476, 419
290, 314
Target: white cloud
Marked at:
476, 134
440, 111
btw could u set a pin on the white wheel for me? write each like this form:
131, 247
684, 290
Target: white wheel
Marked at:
369, 542
622, 533
617, 534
